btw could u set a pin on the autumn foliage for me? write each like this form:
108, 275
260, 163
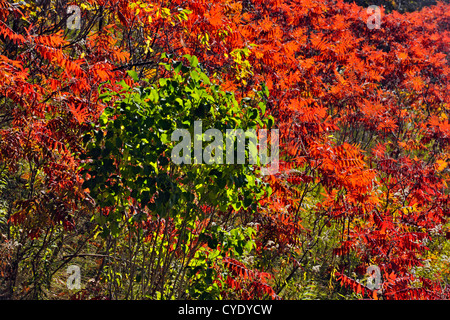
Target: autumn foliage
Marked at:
365, 143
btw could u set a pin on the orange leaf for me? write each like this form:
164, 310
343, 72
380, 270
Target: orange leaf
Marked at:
374, 295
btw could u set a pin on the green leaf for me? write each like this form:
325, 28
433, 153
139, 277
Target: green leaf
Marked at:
145, 197
133, 75
247, 202
164, 124
194, 75
262, 107
205, 78
103, 119
177, 66
124, 85
265, 89
254, 113
192, 60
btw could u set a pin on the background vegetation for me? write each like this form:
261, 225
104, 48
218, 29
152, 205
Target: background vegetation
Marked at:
86, 176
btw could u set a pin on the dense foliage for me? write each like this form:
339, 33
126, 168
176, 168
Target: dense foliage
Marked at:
87, 177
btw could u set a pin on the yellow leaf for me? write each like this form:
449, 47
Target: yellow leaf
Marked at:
440, 165
166, 12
